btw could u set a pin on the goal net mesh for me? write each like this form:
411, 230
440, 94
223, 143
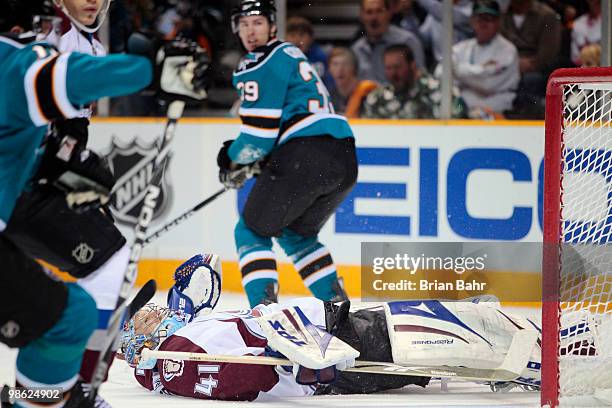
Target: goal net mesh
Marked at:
585, 308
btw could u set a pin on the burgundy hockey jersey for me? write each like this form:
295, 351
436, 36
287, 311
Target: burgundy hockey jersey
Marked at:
233, 333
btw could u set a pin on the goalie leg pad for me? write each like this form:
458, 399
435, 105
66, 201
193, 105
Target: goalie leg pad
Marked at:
454, 334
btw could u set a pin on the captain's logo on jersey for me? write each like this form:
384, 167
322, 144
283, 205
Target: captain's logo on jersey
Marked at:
133, 165
172, 369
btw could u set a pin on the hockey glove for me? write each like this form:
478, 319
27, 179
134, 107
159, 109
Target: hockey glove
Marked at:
181, 67
54, 159
80, 173
234, 176
197, 285
309, 376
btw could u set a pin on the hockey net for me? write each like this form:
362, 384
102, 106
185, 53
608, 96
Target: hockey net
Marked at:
577, 280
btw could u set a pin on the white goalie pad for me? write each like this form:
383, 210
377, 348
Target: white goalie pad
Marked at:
463, 334
291, 333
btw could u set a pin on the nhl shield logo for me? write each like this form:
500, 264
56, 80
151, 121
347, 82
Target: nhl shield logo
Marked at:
133, 165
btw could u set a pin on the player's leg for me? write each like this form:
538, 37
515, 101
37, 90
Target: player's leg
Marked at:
85, 244
314, 263
257, 265
47, 320
282, 192
300, 241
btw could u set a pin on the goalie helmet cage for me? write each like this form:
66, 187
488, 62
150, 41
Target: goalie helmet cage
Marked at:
577, 266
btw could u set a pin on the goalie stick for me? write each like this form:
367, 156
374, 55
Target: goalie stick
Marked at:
175, 111
511, 368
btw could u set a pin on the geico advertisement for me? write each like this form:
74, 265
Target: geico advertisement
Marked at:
416, 182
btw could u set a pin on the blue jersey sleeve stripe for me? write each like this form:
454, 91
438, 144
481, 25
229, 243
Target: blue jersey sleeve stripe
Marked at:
261, 113
259, 132
307, 121
59, 87
29, 84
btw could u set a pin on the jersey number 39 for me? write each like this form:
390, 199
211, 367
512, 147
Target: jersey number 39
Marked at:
249, 91
322, 105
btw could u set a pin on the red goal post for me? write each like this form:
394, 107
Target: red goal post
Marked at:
578, 144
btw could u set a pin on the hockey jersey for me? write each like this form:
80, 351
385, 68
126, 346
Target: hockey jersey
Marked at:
233, 333
282, 98
76, 41
40, 85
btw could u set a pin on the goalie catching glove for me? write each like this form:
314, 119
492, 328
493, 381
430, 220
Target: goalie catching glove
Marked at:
198, 285
234, 175
181, 67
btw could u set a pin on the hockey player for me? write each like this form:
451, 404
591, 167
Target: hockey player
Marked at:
288, 121
98, 253
83, 242
86, 17
49, 321
429, 333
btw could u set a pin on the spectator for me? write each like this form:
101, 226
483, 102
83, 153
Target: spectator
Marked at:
432, 29
587, 30
300, 33
410, 94
486, 67
535, 30
349, 92
405, 16
379, 34
590, 55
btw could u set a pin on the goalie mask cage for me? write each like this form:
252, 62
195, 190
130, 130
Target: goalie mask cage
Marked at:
577, 258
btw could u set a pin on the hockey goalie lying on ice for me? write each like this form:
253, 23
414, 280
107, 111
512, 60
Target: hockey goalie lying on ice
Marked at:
321, 340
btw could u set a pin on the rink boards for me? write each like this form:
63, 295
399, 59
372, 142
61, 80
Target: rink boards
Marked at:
419, 181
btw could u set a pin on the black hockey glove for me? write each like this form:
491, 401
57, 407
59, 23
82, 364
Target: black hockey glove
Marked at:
234, 176
80, 173
181, 67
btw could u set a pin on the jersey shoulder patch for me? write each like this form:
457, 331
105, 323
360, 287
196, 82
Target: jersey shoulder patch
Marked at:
294, 52
258, 57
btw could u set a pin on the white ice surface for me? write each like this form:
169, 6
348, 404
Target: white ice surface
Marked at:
122, 390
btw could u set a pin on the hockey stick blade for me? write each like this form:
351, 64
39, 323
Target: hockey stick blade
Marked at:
144, 296
515, 361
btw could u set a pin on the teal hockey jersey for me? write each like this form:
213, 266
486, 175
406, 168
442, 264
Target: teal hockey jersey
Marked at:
40, 85
282, 98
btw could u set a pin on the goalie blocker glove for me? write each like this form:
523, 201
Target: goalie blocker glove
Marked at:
181, 67
234, 175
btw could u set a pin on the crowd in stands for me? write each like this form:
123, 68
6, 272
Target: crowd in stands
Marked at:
503, 52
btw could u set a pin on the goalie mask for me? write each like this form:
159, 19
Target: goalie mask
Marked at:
88, 28
150, 326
